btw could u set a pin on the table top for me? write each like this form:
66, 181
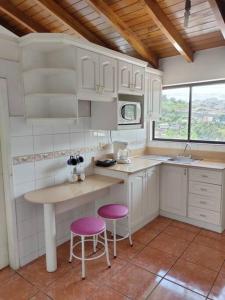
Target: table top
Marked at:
69, 191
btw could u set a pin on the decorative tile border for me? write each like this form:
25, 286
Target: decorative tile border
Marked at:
18, 160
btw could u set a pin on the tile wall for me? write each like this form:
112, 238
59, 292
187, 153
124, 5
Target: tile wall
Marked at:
39, 154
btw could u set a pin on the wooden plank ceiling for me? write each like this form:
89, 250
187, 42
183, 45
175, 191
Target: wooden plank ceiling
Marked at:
149, 29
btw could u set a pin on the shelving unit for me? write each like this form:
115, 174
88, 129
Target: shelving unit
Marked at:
49, 76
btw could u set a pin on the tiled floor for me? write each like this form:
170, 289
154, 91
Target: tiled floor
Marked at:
169, 260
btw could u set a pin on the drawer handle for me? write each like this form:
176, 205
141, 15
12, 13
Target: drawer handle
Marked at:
205, 176
203, 190
203, 202
203, 216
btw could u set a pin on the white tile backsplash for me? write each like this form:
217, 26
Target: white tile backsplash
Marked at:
28, 176
19, 127
22, 145
61, 141
23, 173
43, 143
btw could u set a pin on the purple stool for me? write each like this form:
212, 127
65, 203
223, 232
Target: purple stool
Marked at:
116, 212
89, 227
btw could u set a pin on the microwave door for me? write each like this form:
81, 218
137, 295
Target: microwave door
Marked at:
129, 113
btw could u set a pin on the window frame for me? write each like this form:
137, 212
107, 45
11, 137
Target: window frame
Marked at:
188, 140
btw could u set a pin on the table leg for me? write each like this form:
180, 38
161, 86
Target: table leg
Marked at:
50, 237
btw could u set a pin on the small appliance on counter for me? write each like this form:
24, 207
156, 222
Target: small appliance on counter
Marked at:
121, 153
105, 163
77, 173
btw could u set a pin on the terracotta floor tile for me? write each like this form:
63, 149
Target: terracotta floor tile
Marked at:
211, 243
205, 256
106, 293
36, 273
186, 226
212, 235
98, 271
154, 260
222, 270
159, 224
194, 277
167, 290
170, 244
180, 233
134, 282
40, 296
16, 288
124, 250
144, 235
218, 289
6, 274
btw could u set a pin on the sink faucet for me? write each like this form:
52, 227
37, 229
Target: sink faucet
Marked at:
185, 149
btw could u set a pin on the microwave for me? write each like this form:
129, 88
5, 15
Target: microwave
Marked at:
129, 112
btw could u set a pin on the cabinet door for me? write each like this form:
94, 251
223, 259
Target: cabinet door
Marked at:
108, 68
88, 71
151, 200
155, 91
173, 190
136, 196
138, 75
125, 77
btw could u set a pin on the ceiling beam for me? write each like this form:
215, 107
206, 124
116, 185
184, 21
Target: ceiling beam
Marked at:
107, 13
78, 28
17, 15
218, 7
165, 25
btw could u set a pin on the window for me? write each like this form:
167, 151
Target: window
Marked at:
193, 113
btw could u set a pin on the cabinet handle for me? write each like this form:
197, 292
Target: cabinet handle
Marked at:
203, 190
185, 172
203, 216
203, 202
97, 88
205, 176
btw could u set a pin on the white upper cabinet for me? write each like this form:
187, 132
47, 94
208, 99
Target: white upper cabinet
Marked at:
125, 76
173, 190
88, 70
138, 76
97, 76
130, 78
108, 76
153, 95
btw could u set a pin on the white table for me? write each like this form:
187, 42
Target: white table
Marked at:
71, 195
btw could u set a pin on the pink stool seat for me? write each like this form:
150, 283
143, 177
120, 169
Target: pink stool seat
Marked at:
87, 226
113, 211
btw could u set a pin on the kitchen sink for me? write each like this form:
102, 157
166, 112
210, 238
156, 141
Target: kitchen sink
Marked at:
183, 159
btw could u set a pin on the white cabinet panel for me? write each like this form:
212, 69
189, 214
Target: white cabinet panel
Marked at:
138, 76
205, 175
153, 95
136, 198
88, 70
108, 76
173, 190
125, 77
204, 215
151, 201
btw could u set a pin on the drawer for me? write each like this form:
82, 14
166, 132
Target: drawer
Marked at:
205, 175
205, 202
205, 189
204, 215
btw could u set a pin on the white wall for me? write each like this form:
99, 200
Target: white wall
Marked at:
208, 65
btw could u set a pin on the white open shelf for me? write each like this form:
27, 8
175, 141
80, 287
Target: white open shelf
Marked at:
49, 73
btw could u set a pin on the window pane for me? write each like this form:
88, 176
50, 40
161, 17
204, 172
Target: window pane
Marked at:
208, 113
173, 123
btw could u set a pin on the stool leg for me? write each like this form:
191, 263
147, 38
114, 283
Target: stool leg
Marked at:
129, 231
114, 238
83, 257
107, 249
71, 247
94, 243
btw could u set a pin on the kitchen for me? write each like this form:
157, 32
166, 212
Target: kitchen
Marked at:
100, 133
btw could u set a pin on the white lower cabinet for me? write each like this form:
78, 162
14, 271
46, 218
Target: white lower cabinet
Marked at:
144, 196
173, 189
